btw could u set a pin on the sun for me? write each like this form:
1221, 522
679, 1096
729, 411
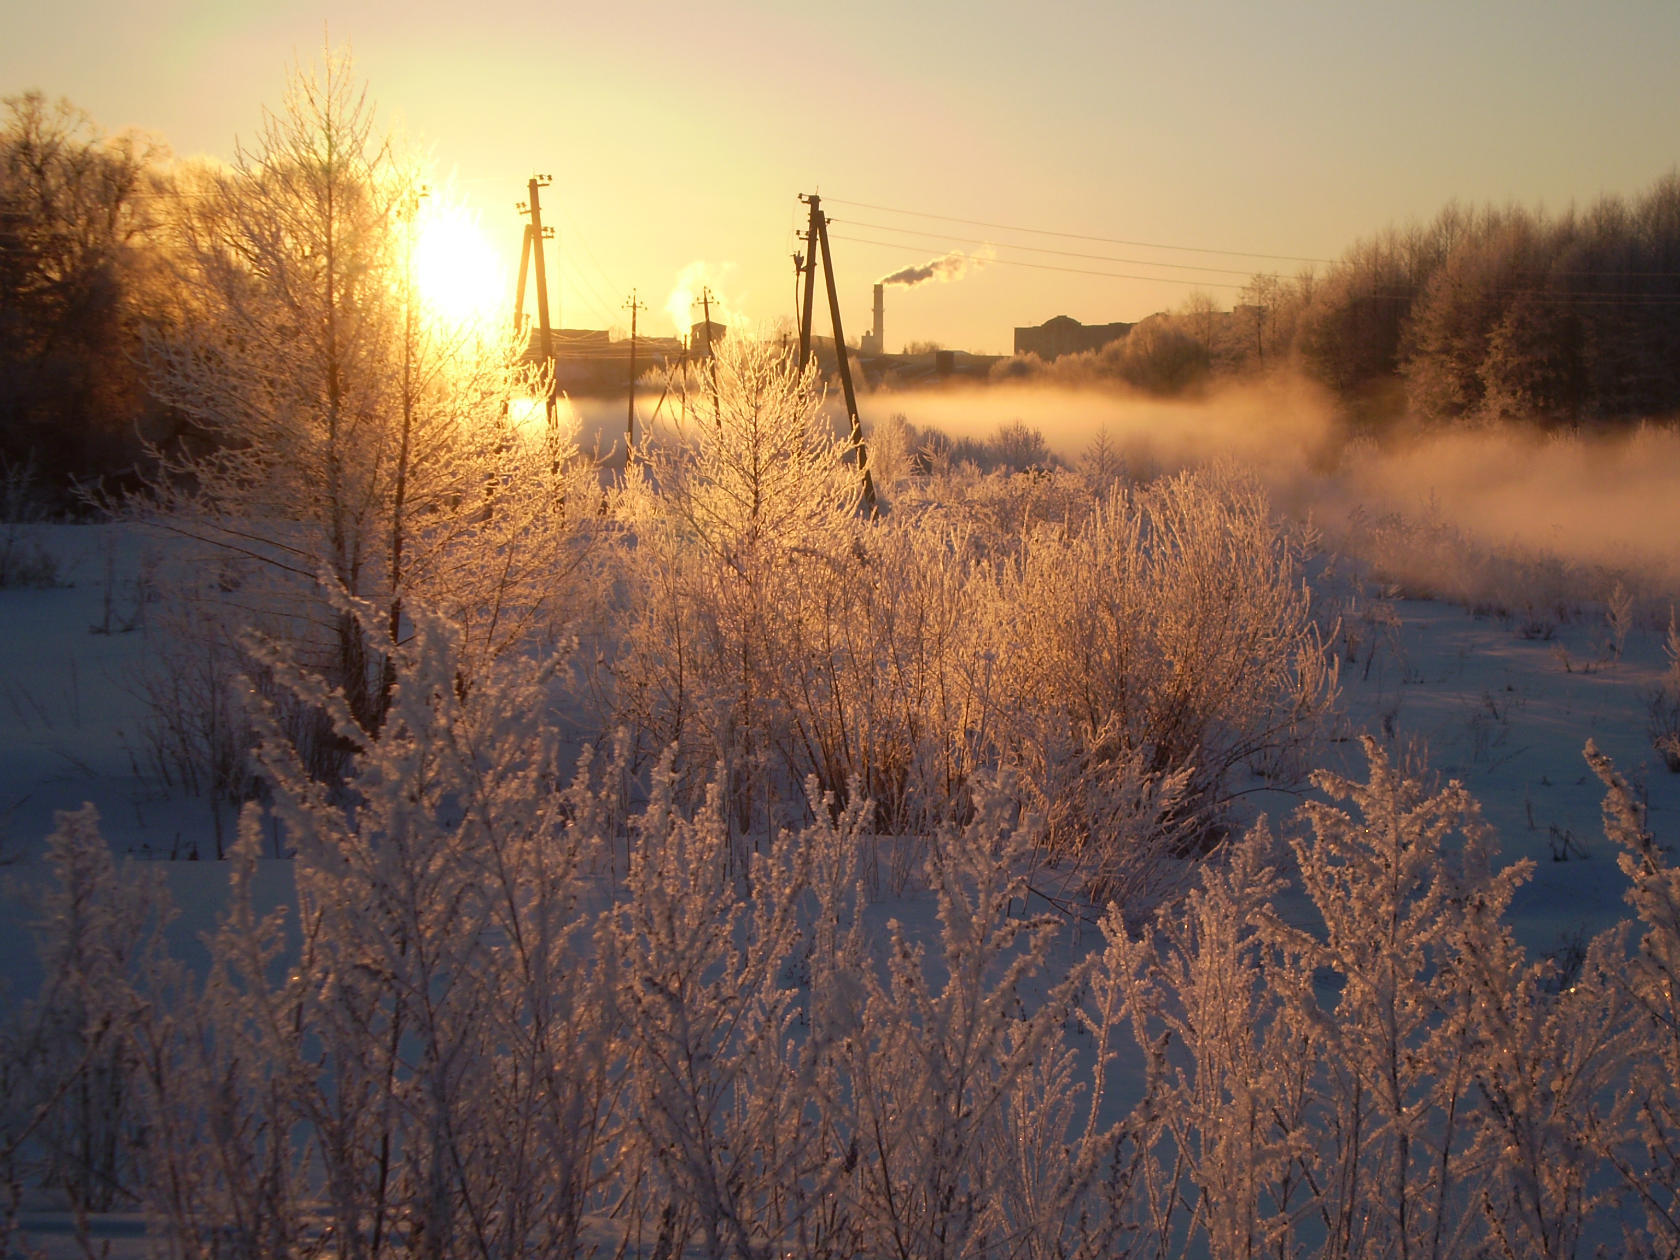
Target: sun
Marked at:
456, 271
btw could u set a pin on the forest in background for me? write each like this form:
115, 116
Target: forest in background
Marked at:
1482, 314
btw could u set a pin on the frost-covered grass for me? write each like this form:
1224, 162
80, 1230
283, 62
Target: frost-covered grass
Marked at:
501, 1018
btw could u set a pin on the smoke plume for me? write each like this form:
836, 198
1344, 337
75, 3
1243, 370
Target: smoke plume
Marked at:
953, 266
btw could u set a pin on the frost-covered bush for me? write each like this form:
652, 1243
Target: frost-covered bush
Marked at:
69, 1119
1422, 555
751, 522
1397, 1078
429, 1069
1664, 724
1642, 1135
1127, 655
24, 561
885, 686
1145, 657
488, 1027
195, 737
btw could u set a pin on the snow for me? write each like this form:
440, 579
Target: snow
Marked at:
1504, 714
1507, 715
71, 720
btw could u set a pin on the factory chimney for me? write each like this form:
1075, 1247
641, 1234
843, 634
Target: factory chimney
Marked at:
872, 342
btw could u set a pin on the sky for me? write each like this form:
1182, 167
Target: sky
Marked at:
680, 135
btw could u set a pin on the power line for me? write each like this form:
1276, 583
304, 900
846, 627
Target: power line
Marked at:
1077, 236
1078, 271
592, 298
1558, 296
1041, 249
576, 236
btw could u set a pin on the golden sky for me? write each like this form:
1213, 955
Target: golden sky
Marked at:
679, 135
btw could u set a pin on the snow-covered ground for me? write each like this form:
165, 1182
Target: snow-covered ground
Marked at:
1508, 715
1505, 714
72, 731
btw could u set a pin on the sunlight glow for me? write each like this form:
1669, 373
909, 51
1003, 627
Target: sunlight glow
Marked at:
529, 417
683, 306
455, 269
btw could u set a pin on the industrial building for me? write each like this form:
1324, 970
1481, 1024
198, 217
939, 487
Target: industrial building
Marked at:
588, 362
1065, 335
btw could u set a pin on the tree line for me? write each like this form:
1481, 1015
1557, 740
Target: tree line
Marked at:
1509, 314
79, 224
1480, 314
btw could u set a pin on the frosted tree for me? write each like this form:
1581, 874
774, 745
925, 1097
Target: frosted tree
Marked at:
75, 280
753, 514
351, 441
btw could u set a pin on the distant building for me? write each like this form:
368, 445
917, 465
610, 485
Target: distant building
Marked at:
1065, 335
589, 363
702, 335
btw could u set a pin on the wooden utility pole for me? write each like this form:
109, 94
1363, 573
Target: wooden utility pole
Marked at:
535, 235
810, 268
817, 236
798, 276
524, 266
630, 415
683, 377
711, 353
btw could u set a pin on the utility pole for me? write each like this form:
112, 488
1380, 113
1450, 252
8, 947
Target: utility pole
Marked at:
683, 377
630, 414
810, 268
817, 236
524, 266
535, 235
711, 352
798, 275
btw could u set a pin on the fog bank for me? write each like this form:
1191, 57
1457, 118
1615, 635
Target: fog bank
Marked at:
1606, 502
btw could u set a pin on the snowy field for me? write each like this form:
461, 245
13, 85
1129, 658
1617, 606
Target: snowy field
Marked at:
1503, 711
1498, 705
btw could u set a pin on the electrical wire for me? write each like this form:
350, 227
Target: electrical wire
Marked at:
1587, 297
582, 286
1078, 271
574, 235
1076, 236
1041, 249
